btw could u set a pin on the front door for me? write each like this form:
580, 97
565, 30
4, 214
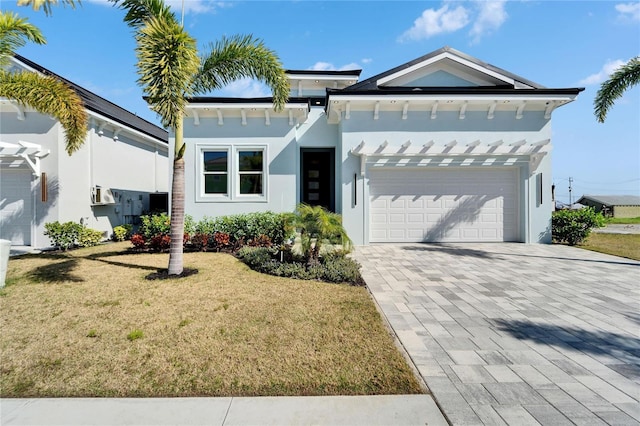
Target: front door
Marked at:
318, 177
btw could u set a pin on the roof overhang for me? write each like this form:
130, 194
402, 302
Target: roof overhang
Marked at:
340, 103
296, 109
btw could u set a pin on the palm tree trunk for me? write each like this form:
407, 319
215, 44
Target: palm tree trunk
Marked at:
177, 204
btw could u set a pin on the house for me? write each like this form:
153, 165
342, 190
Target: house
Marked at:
613, 205
120, 172
443, 148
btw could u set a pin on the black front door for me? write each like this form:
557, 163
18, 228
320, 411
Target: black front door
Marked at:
318, 177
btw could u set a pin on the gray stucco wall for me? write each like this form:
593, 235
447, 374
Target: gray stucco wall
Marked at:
131, 166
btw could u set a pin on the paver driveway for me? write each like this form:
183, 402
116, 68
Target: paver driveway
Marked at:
515, 333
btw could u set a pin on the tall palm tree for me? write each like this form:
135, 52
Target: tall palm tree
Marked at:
46, 4
170, 71
622, 79
45, 94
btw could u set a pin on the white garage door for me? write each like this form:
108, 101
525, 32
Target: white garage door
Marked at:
15, 206
454, 205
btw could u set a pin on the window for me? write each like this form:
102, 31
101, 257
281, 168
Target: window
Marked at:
231, 173
215, 167
250, 169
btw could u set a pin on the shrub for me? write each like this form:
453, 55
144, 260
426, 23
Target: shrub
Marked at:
151, 226
220, 240
63, 236
138, 241
119, 233
573, 226
335, 268
89, 237
261, 241
160, 242
70, 234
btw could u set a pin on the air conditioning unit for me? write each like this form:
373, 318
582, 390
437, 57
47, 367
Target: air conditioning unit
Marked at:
101, 196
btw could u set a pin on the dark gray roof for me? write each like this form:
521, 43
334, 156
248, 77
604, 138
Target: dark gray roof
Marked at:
319, 72
370, 83
102, 106
613, 200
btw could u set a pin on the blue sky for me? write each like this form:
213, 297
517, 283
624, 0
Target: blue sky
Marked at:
554, 43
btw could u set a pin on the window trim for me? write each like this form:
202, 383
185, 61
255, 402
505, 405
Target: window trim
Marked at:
233, 173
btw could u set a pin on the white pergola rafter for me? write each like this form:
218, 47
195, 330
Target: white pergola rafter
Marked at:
30, 153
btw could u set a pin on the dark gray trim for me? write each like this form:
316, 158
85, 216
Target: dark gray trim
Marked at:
329, 73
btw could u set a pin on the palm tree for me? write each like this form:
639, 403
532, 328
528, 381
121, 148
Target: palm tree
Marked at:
45, 94
46, 4
170, 71
622, 79
318, 226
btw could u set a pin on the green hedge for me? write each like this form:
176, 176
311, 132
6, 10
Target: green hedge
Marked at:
574, 226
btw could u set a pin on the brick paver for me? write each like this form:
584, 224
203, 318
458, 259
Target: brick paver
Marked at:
515, 333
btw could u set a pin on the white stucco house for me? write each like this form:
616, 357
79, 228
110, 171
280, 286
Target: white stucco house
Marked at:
121, 171
445, 148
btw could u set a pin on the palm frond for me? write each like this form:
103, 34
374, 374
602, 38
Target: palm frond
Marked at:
167, 63
240, 56
14, 33
140, 11
622, 79
46, 4
50, 96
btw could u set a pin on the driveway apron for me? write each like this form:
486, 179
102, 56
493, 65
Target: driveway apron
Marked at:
515, 333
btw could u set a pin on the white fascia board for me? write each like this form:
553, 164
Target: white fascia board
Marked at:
112, 123
445, 55
336, 98
226, 105
322, 77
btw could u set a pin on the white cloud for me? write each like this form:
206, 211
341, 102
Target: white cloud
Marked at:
433, 22
629, 10
367, 60
607, 69
246, 88
328, 66
492, 15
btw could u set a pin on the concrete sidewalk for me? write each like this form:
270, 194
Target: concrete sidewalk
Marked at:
304, 410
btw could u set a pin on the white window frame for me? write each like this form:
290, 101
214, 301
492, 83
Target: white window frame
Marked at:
233, 173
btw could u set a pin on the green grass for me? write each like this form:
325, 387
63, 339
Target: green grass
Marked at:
67, 322
623, 245
623, 220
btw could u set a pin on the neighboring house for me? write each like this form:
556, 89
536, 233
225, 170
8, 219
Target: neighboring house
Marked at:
442, 148
121, 170
613, 205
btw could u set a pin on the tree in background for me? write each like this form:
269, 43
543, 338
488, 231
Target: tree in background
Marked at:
622, 79
170, 71
45, 94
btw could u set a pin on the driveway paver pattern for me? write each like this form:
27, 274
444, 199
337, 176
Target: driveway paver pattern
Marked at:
515, 333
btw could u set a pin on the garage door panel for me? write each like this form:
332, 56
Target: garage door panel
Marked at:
16, 206
444, 205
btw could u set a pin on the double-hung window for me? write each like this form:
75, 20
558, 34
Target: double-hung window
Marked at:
250, 172
232, 173
215, 168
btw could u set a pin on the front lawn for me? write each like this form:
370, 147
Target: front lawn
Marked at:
87, 323
623, 245
623, 220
